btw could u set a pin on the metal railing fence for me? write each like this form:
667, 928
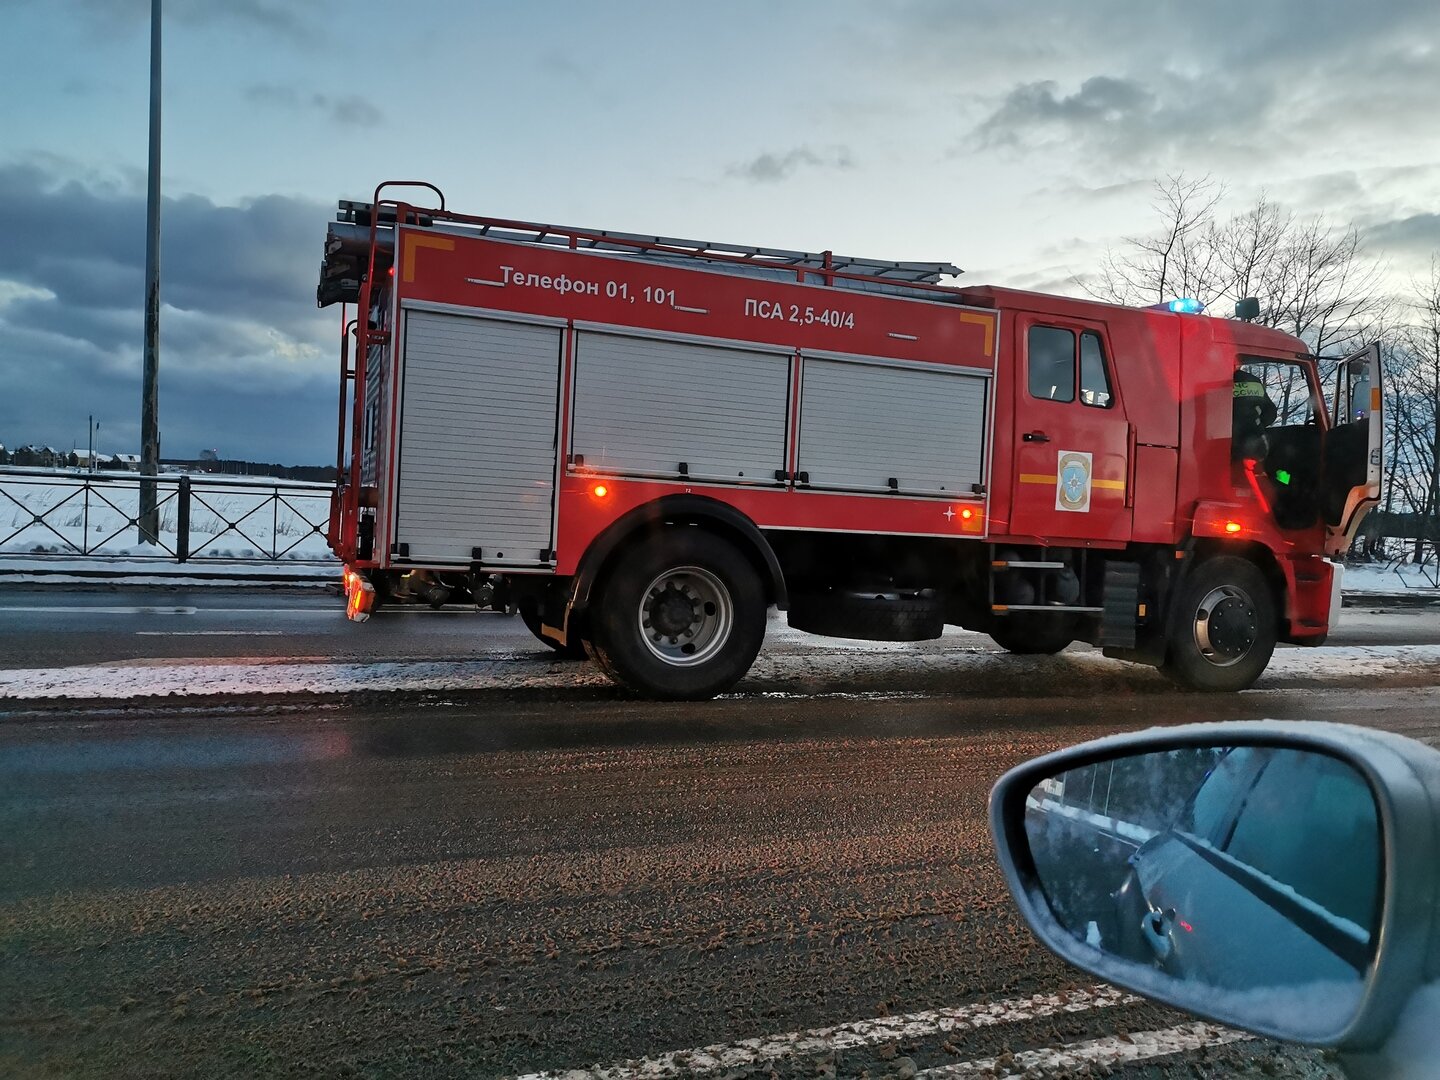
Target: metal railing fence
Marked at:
58, 512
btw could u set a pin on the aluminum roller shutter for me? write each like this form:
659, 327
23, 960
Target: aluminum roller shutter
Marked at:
862, 424
477, 441
642, 406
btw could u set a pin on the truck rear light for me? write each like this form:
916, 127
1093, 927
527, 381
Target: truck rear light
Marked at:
359, 596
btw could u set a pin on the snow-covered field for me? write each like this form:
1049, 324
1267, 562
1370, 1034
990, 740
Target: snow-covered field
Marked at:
230, 519
1384, 578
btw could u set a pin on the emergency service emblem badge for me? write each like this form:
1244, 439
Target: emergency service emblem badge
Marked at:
1072, 481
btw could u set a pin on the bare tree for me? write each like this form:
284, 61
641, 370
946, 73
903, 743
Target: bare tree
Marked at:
1313, 279
1414, 401
1175, 261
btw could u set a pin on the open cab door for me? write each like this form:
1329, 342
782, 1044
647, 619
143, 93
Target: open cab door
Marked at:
1354, 448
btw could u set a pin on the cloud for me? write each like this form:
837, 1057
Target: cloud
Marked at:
351, 109
1131, 122
1100, 90
1416, 237
773, 167
283, 19
246, 361
1100, 101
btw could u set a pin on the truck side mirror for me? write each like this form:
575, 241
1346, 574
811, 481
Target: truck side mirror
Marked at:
1276, 877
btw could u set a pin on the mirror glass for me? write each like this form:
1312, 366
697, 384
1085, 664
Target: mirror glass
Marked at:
1358, 373
1245, 881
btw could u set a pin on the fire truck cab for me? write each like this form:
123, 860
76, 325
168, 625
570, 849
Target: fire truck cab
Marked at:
644, 443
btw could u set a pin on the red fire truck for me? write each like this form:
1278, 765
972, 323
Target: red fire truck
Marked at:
644, 443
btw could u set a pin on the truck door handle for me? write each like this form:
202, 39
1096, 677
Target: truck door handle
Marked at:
1035, 436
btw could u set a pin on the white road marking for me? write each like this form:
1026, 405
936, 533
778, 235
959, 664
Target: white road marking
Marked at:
105, 610
209, 633
1114, 1050
882, 1029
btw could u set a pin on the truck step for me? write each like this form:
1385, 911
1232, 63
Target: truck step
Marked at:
1121, 599
1005, 609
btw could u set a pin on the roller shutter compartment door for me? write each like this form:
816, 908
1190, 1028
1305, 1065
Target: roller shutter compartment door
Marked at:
643, 406
477, 442
862, 425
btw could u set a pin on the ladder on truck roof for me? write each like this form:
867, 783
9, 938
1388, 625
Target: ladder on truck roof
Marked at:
350, 236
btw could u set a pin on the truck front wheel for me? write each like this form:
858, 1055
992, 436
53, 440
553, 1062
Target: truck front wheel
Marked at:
1222, 628
681, 616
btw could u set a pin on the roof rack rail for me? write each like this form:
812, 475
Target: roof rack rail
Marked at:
925, 273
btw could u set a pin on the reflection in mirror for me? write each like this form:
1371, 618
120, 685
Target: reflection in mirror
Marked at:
1359, 378
1246, 881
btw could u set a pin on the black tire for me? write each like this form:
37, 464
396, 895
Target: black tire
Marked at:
529, 610
1032, 633
1222, 627
868, 616
694, 584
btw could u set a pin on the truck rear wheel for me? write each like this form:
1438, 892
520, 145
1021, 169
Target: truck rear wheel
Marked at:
1032, 633
574, 649
1222, 628
681, 616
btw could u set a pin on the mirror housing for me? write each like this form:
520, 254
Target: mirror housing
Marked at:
1404, 779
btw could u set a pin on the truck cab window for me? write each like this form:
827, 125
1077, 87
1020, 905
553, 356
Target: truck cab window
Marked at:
1275, 426
1094, 382
1052, 363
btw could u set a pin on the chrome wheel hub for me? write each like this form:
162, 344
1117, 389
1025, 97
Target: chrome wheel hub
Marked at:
686, 616
1226, 625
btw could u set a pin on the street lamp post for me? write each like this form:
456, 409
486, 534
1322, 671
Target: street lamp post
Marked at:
148, 518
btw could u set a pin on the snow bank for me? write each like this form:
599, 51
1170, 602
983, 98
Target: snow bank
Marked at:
814, 670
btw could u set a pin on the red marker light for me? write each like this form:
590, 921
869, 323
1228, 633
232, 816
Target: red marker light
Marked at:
600, 491
1233, 527
966, 514
1186, 926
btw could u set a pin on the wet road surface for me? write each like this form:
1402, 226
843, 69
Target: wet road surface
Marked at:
52, 626
513, 885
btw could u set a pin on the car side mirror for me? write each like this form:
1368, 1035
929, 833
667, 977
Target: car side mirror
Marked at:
1275, 877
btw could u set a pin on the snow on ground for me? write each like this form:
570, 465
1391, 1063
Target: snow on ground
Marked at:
230, 517
72, 570
786, 662
1384, 578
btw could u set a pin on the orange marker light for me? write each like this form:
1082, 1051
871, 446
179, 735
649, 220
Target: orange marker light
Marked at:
1232, 527
966, 514
600, 491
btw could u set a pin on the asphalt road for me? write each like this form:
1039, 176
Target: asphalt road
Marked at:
503, 883
54, 626
495, 889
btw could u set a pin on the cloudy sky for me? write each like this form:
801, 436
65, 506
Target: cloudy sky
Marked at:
1016, 139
